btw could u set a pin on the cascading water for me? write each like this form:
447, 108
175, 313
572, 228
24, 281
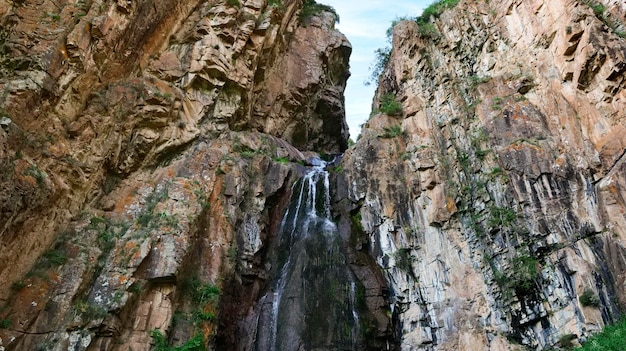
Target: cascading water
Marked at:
312, 305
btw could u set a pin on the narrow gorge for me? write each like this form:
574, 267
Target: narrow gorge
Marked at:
176, 175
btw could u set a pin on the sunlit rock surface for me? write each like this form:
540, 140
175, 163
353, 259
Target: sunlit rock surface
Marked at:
494, 203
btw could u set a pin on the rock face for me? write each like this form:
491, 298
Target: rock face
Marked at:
147, 150
498, 216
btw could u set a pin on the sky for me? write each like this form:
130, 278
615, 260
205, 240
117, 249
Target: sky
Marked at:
365, 23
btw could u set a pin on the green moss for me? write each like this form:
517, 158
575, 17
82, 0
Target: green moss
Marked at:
428, 30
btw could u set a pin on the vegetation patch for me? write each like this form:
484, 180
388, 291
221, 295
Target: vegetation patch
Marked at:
90, 311
612, 338
147, 216
233, 3
392, 132
381, 59
589, 298
524, 272
599, 10
501, 217
477, 80
403, 260
435, 10
54, 258
311, 8
390, 105
161, 343
204, 296
284, 159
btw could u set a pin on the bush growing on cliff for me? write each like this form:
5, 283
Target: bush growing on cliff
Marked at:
381, 58
233, 3
599, 11
435, 10
311, 8
392, 132
161, 344
390, 105
589, 299
524, 272
612, 338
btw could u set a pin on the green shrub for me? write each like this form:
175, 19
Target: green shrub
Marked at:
5, 323
36, 173
381, 59
403, 259
311, 8
524, 272
205, 316
612, 338
476, 80
565, 341
428, 30
598, 8
18, 285
589, 299
435, 10
284, 159
146, 218
161, 344
55, 258
501, 217
199, 291
90, 311
390, 105
233, 3
392, 132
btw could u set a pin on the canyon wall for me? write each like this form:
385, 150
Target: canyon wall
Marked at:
495, 200
147, 153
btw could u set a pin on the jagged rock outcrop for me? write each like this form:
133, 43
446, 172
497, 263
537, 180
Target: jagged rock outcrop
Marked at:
498, 215
146, 153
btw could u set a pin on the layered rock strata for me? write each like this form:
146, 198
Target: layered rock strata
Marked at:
147, 152
498, 215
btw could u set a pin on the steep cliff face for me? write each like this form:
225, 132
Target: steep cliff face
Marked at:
147, 152
495, 201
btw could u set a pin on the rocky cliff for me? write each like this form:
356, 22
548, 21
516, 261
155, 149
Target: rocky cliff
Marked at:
494, 201
147, 154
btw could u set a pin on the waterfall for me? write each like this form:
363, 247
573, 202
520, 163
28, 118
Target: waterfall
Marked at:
312, 304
